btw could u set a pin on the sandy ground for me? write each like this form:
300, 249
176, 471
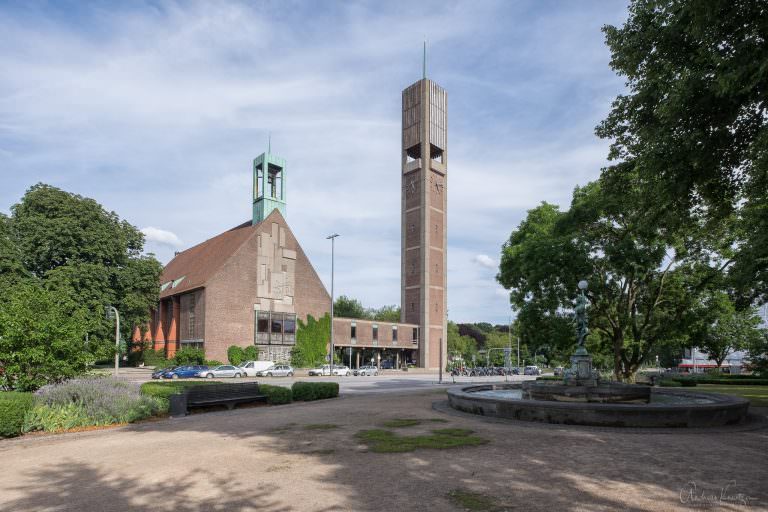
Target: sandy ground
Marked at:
263, 459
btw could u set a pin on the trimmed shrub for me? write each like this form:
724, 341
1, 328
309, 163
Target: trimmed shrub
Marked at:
307, 391
13, 407
155, 358
86, 402
162, 390
250, 353
276, 395
235, 355
189, 356
669, 383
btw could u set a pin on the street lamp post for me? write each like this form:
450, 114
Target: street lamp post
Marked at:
117, 338
332, 238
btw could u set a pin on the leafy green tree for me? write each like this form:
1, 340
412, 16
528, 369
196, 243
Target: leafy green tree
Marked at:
235, 355
384, 314
347, 307
464, 346
692, 131
758, 353
722, 328
42, 338
12, 270
83, 253
312, 340
643, 282
250, 353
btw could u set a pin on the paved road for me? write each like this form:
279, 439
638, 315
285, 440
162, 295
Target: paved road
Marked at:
387, 381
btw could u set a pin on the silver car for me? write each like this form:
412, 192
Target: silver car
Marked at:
225, 370
367, 370
277, 370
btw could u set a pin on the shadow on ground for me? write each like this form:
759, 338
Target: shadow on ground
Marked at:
266, 459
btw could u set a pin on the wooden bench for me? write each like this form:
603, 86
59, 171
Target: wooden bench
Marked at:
215, 394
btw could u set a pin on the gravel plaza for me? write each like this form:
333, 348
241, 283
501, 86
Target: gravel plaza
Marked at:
306, 457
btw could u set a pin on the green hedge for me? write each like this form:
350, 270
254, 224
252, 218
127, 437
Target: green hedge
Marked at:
276, 395
13, 407
732, 382
306, 391
162, 390
669, 383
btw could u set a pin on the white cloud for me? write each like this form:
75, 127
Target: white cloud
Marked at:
485, 261
157, 112
161, 236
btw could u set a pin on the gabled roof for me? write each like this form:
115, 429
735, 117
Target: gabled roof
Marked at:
197, 264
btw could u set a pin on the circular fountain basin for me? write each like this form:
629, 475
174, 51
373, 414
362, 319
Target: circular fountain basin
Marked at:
666, 407
601, 393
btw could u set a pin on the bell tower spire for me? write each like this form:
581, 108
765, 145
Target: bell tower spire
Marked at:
268, 184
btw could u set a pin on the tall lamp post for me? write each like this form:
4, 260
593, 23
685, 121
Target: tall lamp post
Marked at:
113, 311
332, 238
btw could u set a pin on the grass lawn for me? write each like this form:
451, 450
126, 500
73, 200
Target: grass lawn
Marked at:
757, 395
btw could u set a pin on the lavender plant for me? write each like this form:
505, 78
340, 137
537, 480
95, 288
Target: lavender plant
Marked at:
89, 401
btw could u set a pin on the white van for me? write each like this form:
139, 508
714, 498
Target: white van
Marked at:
251, 368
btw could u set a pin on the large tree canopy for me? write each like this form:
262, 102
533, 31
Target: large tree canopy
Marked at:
692, 131
81, 254
643, 283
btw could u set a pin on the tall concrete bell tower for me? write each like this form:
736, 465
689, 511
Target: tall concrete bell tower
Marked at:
424, 227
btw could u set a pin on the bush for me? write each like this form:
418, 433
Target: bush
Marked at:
669, 383
250, 353
189, 356
13, 407
162, 390
235, 355
155, 358
276, 395
147, 356
213, 362
307, 391
86, 402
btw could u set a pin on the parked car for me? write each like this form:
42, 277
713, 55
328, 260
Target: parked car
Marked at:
388, 365
320, 371
342, 371
277, 370
225, 370
559, 371
252, 368
184, 372
366, 370
158, 374
532, 370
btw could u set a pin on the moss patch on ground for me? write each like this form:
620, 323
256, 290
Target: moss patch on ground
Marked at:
410, 422
474, 501
385, 441
757, 395
320, 426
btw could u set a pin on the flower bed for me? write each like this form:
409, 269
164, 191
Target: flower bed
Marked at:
88, 402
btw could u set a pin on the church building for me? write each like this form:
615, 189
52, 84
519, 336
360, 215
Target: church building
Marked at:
249, 285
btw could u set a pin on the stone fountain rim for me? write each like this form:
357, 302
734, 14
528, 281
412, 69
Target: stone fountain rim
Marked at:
720, 401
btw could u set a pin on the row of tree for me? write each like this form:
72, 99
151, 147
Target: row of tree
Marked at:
64, 260
347, 307
673, 236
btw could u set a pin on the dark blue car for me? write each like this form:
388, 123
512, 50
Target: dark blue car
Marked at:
184, 372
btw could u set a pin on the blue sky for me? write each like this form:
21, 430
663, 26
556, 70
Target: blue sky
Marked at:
156, 110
